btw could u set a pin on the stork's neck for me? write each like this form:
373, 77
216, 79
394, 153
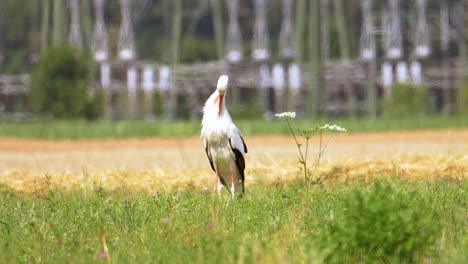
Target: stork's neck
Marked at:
215, 108
221, 104
214, 124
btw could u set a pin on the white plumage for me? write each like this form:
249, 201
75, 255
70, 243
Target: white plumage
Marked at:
223, 141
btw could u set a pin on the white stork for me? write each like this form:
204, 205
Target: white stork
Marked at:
223, 141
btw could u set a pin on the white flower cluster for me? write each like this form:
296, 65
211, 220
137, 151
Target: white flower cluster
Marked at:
286, 115
334, 128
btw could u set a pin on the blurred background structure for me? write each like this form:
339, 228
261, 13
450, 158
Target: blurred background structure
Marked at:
160, 59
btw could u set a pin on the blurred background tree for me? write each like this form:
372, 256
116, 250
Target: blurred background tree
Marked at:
59, 85
407, 100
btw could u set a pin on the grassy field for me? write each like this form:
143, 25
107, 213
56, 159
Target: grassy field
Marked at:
390, 221
143, 129
384, 198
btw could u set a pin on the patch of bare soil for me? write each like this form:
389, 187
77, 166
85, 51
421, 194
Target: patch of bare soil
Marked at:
156, 165
411, 137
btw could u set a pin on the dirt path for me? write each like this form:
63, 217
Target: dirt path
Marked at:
412, 137
163, 164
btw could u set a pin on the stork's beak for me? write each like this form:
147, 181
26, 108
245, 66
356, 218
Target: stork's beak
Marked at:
221, 87
220, 103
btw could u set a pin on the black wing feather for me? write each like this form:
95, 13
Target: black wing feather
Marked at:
209, 156
240, 162
243, 142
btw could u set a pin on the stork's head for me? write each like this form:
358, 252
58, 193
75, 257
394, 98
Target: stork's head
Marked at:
222, 84
221, 88
216, 102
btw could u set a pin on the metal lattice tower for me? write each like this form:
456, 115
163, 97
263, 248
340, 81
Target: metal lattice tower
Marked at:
402, 72
126, 38
286, 37
234, 36
278, 77
421, 39
147, 79
367, 39
59, 22
445, 37
74, 37
99, 44
325, 30
465, 30
386, 67
416, 73
444, 28
393, 36
260, 40
1, 53
385, 29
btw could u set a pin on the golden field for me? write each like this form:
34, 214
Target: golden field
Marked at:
159, 165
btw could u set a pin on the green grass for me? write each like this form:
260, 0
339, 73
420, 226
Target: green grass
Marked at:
380, 222
140, 129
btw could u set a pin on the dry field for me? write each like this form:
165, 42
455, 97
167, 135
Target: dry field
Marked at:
158, 165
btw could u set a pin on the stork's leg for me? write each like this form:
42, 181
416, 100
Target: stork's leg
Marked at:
233, 186
220, 185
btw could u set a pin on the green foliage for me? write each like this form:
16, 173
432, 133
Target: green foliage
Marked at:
282, 224
250, 111
381, 223
158, 104
59, 84
183, 106
95, 105
65, 129
406, 100
17, 34
197, 49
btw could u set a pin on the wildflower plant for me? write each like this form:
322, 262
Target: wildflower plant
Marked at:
307, 134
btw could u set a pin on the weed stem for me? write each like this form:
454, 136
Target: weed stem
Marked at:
299, 148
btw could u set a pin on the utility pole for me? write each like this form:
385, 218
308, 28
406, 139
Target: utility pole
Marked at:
312, 104
464, 33
463, 47
341, 27
176, 32
234, 36
86, 22
324, 31
45, 23
100, 49
464, 38
218, 27
127, 54
445, 48
344, 52
261, 55
300, 12
233, 50
286, 99
368, 55
36, 20
75, 38
59, 23
1, 47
